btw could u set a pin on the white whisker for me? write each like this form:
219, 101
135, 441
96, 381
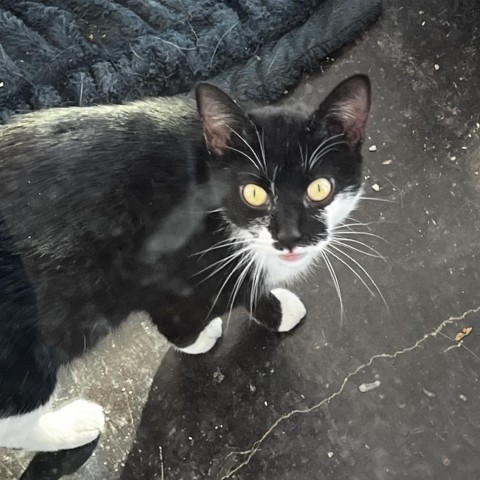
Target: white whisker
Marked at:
324, 152
378, 199
229, 242
255, 284
274, 177
364, 271
223, 263
259, 164
360, 224
246, 156
333, 137
352, 240
351, 269
239, 265
261, 142
368, 234
236, 288
337, 242
335, 282
204, 211
303, 157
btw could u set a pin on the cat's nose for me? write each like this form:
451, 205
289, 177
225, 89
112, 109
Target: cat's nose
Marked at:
288, 237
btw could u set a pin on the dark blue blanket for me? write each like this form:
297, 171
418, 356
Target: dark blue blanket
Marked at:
83, 52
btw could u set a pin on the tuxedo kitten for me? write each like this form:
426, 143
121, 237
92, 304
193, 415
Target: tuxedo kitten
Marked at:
179, 208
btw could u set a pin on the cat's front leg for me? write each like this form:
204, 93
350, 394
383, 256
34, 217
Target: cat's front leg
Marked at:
189, 335
279, 310
205, 340
183, 321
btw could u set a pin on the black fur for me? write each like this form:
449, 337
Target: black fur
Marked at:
28, 368
109, 208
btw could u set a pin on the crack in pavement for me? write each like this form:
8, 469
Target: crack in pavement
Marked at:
256, 445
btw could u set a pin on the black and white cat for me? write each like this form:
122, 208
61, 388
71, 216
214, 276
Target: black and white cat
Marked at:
180, 209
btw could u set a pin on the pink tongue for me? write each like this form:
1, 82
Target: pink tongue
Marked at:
291, 257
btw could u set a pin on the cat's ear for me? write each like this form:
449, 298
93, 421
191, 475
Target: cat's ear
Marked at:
346, 110
222, 118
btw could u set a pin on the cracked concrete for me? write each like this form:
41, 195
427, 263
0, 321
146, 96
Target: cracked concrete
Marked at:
255, 447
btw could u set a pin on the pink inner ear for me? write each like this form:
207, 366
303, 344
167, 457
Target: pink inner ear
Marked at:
219, 114
354, 131
354, 136
352, 117
217, 132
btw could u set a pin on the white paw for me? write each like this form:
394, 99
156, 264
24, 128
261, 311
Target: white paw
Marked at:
293, 309
77, 423
207, 338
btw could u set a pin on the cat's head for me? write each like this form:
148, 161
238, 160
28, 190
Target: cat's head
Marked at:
289, 178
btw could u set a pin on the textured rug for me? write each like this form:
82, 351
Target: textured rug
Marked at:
84, 52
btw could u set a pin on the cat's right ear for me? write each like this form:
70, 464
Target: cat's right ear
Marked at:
222, 118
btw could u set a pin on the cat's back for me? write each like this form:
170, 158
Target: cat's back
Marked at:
68, 171
67, 134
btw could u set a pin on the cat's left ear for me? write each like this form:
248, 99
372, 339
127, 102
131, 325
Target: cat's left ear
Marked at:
346, 110
222, 118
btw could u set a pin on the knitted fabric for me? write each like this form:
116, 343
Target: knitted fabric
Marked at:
85, 52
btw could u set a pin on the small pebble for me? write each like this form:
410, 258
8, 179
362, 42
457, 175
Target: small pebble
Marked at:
436, 66
376, 187
387, 162
372, 148
428, 393
218, 376
330, 454
453, 158
365, 387
463, 397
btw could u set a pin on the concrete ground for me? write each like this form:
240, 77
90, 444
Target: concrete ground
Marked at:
387, 393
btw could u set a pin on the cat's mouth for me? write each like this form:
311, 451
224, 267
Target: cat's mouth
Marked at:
292, 256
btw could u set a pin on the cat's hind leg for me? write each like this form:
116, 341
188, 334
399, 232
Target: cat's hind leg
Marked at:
279, 310
28, 378
28, 370
43, 430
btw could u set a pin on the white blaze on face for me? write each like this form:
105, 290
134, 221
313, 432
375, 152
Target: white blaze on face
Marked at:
268, 259
276, 270
341, 207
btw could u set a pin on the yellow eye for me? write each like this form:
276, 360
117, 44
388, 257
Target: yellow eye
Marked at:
254, 195
319, 190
